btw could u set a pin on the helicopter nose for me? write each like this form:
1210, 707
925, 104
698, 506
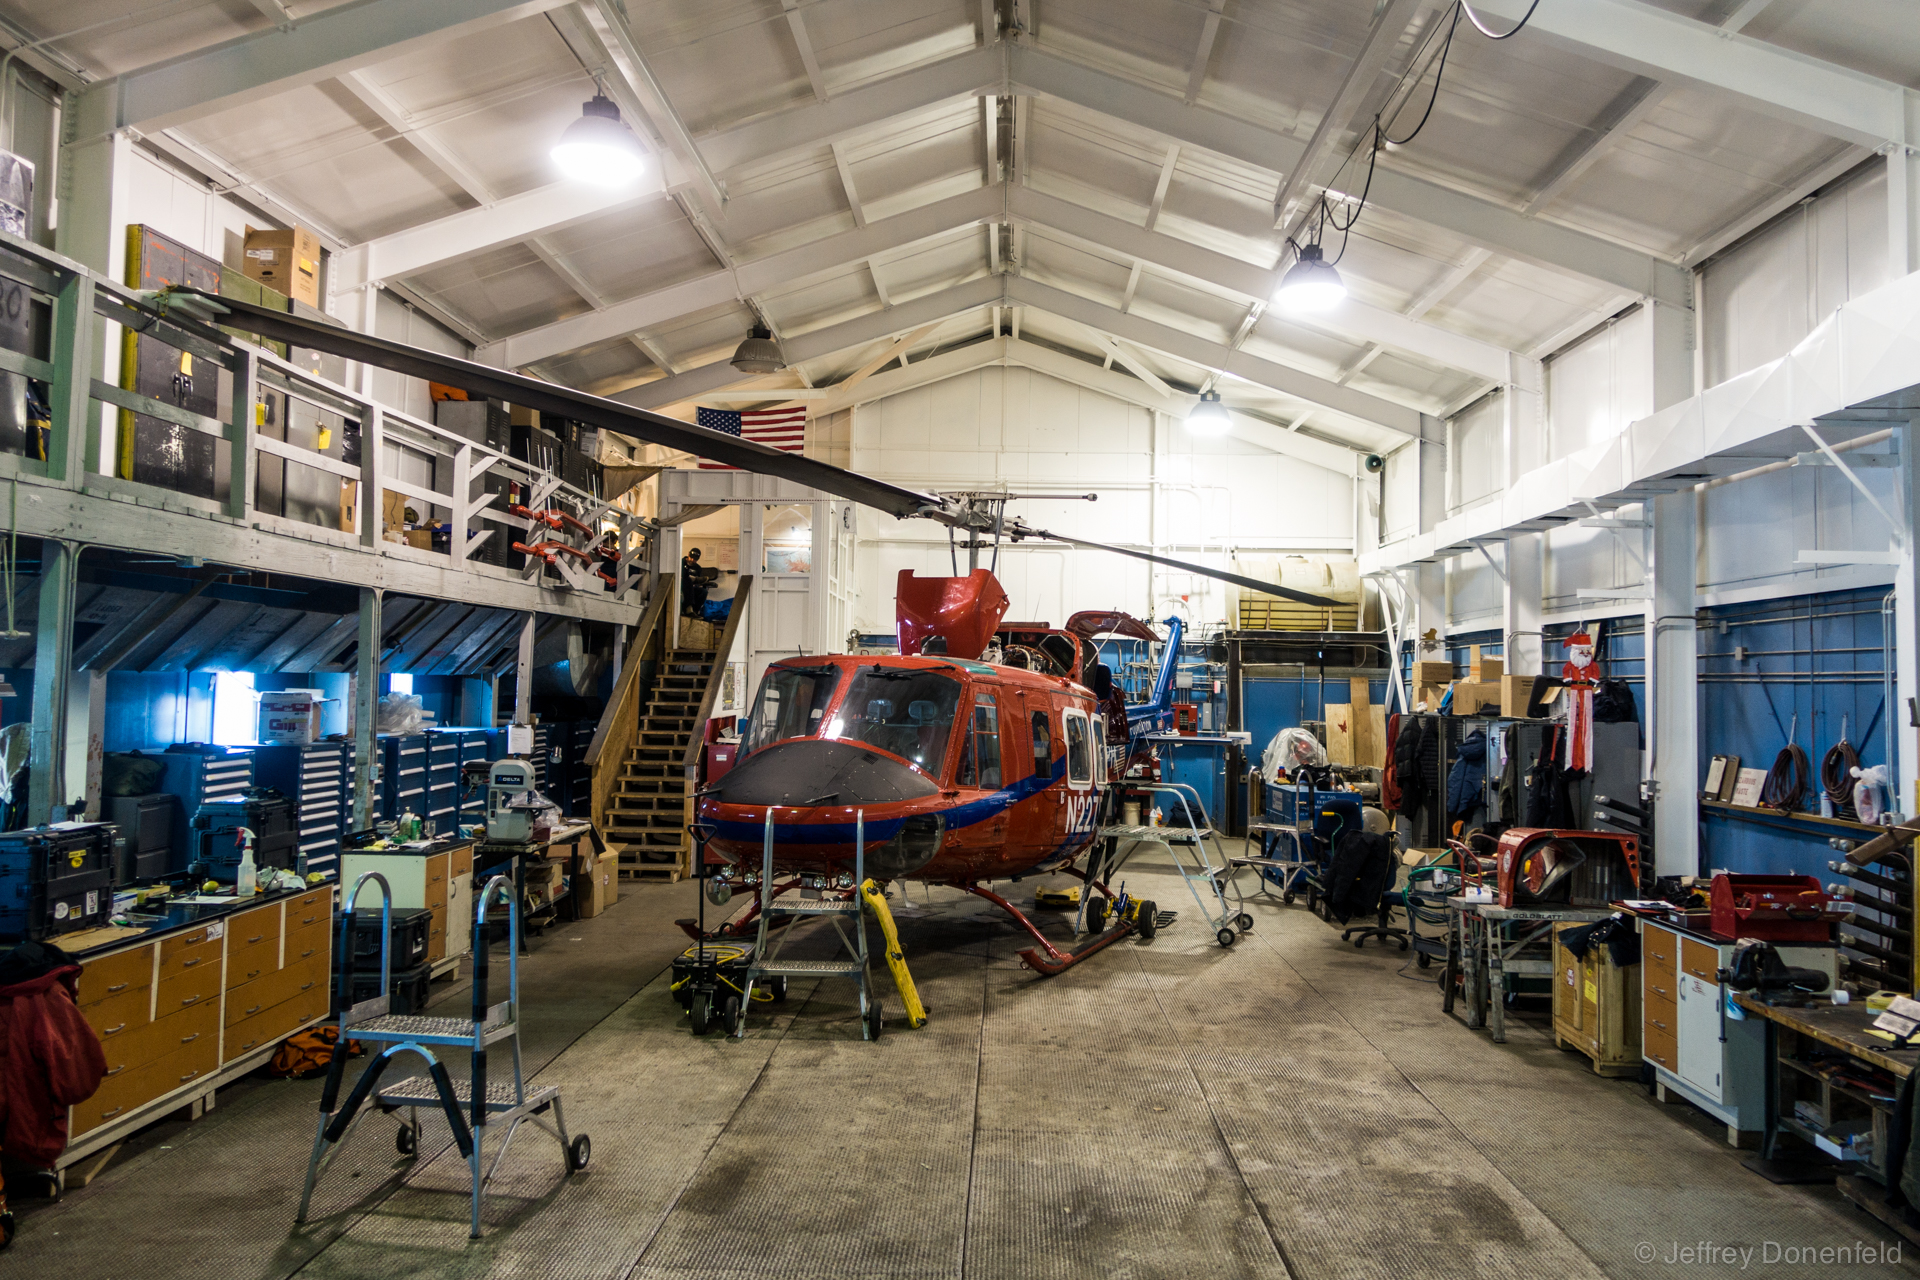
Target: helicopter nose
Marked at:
812, 771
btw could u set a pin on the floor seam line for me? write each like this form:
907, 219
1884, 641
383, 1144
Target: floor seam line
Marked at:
719, 1133
1273, 1237
973, 1139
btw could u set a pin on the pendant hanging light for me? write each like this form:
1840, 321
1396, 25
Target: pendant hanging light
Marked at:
1209, 416
598, 148
758, 354
1311, 284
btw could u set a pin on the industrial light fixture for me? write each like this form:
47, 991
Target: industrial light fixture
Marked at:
758, 354
598, 148
1209, 416
1311, 284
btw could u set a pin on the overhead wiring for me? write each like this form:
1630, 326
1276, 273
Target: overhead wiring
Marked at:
1481, 27
1376, 136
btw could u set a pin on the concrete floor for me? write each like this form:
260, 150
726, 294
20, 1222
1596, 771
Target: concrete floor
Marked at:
1291, 1107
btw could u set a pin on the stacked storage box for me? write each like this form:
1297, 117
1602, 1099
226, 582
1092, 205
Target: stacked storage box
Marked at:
403, 775
579, 802
55, 880
318, 778
443, 781
200, 775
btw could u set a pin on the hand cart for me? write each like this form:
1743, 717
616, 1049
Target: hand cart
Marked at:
1209, 865
473, 1106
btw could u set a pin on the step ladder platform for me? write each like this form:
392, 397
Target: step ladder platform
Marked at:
817, 907
809, 968
402, 1028
418, 1091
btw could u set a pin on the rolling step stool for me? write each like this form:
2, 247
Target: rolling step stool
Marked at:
472, 1106
769, 964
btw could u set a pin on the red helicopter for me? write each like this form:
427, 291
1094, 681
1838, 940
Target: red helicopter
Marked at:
974, 755
984, 751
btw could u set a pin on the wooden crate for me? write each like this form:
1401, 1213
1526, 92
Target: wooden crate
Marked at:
1596, 1007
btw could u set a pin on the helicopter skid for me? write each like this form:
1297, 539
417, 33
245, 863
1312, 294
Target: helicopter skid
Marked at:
1047, 959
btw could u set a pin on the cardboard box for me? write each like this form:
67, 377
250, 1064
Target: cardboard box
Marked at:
1357, 730
1431, 694
290, 716
421, 538
1469, 698
349, 506
598, 885
1432, 673
1516, 695
285, 260
393, 510
1484, 670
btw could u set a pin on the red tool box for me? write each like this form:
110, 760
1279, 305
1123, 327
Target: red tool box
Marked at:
1772, 908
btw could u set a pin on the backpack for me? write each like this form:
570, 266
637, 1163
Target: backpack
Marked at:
309, 1053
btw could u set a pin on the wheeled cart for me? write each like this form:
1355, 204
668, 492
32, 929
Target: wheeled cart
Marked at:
473, 1107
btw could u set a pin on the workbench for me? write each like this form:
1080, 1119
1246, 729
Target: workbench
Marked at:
537, 910
200, 996
1487, 944
1828, 1036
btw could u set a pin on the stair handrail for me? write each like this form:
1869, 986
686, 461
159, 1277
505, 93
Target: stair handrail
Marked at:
711, 694
619, 726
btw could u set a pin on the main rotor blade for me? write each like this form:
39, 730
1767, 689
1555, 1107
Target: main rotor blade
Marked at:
565, 402
1018, 530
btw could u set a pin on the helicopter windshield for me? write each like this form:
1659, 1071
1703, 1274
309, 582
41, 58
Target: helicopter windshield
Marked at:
906, 712
791, 704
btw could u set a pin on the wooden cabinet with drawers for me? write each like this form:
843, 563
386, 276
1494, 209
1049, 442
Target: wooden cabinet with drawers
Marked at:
1681, 1025
441, 882
180, 1009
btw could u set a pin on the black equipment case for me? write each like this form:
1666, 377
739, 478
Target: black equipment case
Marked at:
412, 933
55, 880
262, 810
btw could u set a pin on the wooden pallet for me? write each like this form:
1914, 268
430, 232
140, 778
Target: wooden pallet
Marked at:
656, 872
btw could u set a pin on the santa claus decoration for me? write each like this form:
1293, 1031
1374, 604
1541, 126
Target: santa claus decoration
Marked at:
1580, 673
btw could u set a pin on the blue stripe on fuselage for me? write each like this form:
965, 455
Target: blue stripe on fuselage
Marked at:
879, 831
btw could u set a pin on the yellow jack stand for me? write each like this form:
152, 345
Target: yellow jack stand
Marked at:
896, 958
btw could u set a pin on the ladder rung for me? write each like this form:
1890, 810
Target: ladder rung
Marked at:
817, 907
808, 968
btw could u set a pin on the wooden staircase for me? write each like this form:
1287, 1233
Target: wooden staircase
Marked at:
652, 802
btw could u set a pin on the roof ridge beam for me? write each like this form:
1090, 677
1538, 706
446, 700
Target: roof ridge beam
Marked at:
317, 47
886, 235
1193, 349
861, 330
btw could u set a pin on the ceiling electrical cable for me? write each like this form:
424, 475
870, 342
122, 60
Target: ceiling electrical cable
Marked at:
1787, 780
1481, 27
1376, 135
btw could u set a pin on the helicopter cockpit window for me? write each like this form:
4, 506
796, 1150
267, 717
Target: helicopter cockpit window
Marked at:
908, 713
792, 704
980, 754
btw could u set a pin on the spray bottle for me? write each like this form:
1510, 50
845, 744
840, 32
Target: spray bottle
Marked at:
246, 882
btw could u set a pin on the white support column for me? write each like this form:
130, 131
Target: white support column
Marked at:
52, 661
366, 705
1906, 629
1672, 689
1903, 210
523, 674
96, 697
1671, 694
1520, 602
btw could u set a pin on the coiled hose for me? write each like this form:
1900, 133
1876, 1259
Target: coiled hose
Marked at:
1836, 777
1787, 780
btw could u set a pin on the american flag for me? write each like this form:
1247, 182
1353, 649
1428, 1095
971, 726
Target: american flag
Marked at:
784, 429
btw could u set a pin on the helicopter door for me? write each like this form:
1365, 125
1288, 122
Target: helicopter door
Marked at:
980, 763
1080, 797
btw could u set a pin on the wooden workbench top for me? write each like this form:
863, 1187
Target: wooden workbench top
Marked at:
1844, 1026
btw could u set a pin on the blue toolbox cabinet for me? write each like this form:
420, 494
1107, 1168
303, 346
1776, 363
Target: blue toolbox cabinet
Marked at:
318, 778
